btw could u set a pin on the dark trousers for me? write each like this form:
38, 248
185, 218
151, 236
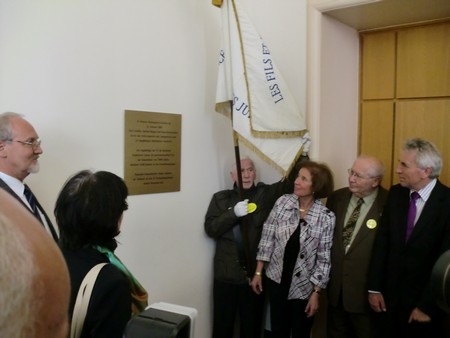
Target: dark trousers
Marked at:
394, 324
343, 324
287, 317
231, 300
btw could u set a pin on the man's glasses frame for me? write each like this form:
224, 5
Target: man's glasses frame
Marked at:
358, 176
33, 143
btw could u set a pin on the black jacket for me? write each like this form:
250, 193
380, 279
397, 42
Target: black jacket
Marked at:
110, 304
220, 221
402, 270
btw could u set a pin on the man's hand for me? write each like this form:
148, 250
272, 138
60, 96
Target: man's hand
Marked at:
376, 301
418, 316
241, 208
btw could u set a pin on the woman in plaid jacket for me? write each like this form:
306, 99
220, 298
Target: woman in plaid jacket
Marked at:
295, 251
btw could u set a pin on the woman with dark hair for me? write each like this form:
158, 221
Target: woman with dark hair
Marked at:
295, 251
89, 212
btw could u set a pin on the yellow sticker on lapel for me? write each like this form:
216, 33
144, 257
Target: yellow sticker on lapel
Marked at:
251, 207
371, 224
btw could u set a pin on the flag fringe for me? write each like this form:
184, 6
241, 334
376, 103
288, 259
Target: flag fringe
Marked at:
266, 159
278, 134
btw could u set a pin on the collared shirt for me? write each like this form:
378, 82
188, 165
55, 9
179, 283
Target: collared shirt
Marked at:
424, 194
365, 207
18, 187
313, 262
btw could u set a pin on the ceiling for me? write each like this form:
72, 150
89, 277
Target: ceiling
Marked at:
387, 13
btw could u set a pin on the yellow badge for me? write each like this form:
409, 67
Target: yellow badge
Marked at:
371, 224
251, 207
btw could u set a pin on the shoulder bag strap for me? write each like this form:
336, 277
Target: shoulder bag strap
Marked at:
82, 301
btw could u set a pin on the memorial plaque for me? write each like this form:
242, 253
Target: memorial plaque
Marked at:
152, 152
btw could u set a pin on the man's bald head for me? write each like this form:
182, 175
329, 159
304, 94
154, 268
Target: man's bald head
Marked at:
34, 280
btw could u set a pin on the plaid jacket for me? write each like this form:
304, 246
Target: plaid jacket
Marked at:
313, 261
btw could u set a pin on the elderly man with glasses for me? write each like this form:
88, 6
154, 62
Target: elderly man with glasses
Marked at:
357, 209
20, 149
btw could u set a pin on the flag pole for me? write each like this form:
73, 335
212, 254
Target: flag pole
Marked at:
240, 234
237, 154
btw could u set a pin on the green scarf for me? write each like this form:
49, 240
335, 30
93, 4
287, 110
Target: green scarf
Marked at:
139, 297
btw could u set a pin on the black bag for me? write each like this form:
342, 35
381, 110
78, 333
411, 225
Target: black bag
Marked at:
155, 323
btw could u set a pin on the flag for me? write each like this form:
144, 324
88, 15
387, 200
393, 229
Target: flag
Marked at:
265, 116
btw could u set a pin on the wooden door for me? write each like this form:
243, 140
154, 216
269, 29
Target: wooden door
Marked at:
377, 122
405, 92
428, 119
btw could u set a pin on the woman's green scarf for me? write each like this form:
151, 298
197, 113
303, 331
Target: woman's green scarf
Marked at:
139, 297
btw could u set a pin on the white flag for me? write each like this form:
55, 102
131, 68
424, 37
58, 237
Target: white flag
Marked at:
265, 115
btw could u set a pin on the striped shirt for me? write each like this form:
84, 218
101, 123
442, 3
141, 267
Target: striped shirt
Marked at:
424, 194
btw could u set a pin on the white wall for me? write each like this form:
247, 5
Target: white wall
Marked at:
332, 91
73, 67
339, 97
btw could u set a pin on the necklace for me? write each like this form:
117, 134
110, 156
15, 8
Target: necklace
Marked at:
303, 210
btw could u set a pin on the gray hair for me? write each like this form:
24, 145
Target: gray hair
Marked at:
5, 125
17, 271
427, 156
376, 169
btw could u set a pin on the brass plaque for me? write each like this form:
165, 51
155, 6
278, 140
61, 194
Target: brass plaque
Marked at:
152, 152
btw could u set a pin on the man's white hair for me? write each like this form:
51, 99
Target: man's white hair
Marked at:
247, 158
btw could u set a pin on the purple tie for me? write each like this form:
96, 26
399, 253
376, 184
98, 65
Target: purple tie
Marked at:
411, 213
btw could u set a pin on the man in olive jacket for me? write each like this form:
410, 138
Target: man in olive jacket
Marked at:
349, 313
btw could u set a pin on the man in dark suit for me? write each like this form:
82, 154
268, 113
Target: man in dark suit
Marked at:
20, 148
349, 314
403, 256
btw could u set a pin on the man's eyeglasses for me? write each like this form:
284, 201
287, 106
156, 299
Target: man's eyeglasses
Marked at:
32, 143
357, 176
